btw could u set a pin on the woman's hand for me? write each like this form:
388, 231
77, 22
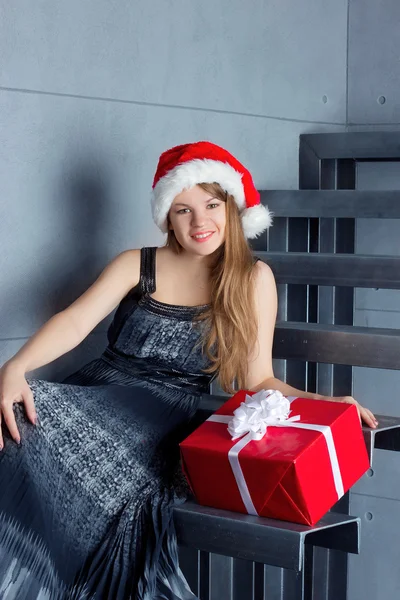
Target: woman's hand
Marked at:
14, 388
364, 413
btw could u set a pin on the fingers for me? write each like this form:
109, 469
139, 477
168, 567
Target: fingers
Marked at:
364, 414
9, 419
27, 397
351, 400
369, 418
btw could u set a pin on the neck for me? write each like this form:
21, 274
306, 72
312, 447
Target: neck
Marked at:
196, 263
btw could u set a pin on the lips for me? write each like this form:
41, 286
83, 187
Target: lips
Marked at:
205, 235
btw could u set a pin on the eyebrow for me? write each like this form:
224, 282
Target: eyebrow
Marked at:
206, 200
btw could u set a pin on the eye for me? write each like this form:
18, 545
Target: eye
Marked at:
183, 210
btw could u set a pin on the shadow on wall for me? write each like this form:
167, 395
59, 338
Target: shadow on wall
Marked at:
83, 220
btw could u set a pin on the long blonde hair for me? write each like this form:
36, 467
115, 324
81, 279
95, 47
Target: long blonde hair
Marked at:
231, 321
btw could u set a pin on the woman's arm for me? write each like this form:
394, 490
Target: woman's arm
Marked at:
61, 333
272, 383
66, 329
260, 373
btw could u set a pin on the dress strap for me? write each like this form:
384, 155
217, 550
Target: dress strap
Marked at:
148, 270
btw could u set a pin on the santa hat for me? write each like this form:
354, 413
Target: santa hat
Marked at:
182, 167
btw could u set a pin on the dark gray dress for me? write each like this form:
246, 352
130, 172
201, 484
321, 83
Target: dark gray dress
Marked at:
86, 500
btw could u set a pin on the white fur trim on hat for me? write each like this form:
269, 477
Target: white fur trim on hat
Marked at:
187, 175
255, 220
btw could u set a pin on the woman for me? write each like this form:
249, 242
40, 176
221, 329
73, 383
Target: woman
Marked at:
88, 472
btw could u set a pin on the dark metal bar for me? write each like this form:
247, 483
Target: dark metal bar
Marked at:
300, 375
189, 560
317, 174
262, 540
307, 581
258, 581
334, 269
310, 171
278, 241
333, 203
297, 299
386, 436
344, 296
357, 146
243, 580
204, 575
343, 345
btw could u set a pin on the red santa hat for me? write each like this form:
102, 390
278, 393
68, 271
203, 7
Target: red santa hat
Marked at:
183, 167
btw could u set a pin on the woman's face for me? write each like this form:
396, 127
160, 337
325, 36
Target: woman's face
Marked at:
198, 221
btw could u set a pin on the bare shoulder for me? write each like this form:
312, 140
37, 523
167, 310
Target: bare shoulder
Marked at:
167, 261
165, 254
126, 266
265, 293
129, 257
119, 276
263, 276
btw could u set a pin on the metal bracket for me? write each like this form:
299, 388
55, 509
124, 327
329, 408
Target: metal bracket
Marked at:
386, 436
267, 541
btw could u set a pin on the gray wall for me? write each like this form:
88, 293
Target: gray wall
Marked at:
373, 87
91, 93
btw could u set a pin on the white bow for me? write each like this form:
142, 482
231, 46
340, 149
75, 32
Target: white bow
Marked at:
266, 407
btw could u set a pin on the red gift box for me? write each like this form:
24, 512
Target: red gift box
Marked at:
296, 472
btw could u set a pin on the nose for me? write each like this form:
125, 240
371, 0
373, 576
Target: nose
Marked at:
198, 219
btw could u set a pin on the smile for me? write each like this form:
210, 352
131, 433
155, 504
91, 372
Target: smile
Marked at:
201, 237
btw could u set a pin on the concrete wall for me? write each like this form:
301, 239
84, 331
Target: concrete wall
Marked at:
91, 93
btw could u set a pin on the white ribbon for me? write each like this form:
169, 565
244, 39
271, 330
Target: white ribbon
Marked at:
266, 407
252, 417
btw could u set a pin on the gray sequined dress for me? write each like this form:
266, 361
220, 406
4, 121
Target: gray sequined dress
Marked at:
86, 500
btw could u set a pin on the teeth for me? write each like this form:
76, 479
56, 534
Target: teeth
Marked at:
203, 235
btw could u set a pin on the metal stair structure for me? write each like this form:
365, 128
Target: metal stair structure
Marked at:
229, 556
